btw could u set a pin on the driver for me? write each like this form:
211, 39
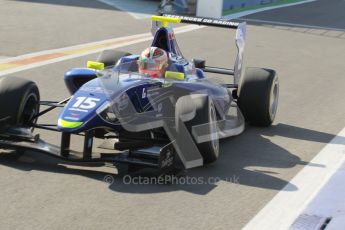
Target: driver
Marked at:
153, 61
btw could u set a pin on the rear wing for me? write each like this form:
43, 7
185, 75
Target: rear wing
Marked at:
163, 21
205, 21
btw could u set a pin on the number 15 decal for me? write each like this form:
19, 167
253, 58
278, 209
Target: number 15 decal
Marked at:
85, 102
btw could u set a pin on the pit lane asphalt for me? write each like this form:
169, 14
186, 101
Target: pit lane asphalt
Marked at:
31, 26
323, 13
38, 193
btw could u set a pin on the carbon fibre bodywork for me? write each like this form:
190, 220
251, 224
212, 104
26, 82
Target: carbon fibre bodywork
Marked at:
138, 92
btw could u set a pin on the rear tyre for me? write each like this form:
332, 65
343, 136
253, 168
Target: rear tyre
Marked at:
111, 57
205, 113
19, 101
258, 97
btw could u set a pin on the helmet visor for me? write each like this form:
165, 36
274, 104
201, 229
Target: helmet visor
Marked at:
149, 64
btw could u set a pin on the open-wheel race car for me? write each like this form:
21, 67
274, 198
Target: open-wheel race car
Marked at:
156, 109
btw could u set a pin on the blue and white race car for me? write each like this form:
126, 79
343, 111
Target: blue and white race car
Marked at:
156, 109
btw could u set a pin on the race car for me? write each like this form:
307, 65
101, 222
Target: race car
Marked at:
155, 109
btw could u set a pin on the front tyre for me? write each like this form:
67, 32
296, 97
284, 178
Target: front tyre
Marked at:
258, 97
19, 101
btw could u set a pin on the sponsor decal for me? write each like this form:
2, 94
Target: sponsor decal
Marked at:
78, 110
144, 93
204, 20
75, 114
168, 160
71, 118
85, 103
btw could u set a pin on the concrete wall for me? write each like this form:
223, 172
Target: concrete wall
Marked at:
207, 8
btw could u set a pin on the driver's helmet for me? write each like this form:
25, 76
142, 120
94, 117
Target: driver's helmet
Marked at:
153, 61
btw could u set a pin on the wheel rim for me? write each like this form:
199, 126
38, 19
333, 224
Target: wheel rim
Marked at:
214, 130
30, 109
274, 99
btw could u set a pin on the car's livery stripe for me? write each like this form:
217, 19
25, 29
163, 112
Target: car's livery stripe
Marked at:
69, 124
28, 61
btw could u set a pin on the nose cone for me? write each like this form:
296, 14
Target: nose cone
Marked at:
81, 109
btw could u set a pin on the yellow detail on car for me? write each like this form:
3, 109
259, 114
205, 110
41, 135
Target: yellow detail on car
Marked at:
165, 20
69, 124
174, 75
95, 65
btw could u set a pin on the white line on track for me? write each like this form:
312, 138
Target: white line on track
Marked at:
134, 39
247, 12
285, 207
30, 55
136, 8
